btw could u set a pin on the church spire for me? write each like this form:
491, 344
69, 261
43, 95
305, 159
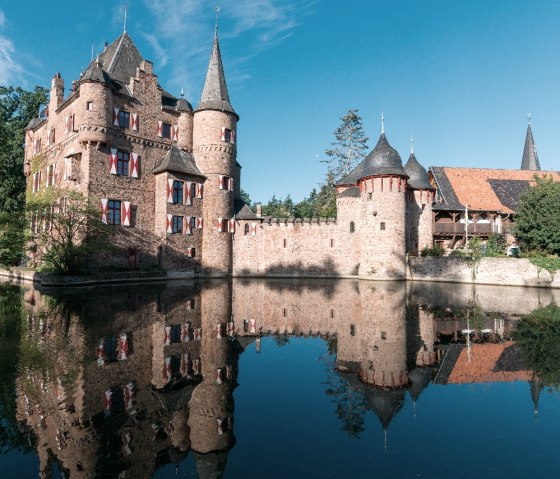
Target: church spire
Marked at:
215, 94
530, 159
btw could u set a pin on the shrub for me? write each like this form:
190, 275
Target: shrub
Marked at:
435, 251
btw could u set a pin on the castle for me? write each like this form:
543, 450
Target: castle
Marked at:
165, 176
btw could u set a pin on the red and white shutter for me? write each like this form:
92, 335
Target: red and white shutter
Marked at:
160, 128
134, 165
230, 184
231, 225
175, 133
190, 252
134, 120
187, 195
66, 129
199, 223
232, 137
219, 224
169, 224
221, 182
113, 161
223, 135
188, 229
253, 229
125, 213
70, 123
170, 191
199, 190
104, 210
116, 117
49, 137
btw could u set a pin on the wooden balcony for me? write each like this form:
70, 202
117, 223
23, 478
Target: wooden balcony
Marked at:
475, 229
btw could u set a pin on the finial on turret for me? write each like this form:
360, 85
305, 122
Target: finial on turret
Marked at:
382, 123
411, 145
125, 9
216, 24
529, 116
91, 59
182, 92
97, 62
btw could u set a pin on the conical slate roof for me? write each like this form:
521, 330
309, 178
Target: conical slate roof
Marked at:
183, 105
96, 74
417, 174
215, 94
178, 161
383, 160
420, 378
385, 403
530, 159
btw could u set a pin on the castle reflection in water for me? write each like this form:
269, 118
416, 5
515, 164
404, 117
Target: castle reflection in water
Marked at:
125, 379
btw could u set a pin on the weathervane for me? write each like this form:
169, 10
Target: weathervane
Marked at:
411, 145
382, 123
125, 9
529, 116
218, 9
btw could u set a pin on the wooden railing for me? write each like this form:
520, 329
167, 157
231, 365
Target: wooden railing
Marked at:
473, 228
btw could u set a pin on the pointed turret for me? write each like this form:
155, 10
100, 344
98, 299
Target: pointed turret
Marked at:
215, 94
530, 158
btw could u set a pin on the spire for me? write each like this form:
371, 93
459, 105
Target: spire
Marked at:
530, 159
215, 94
382, 123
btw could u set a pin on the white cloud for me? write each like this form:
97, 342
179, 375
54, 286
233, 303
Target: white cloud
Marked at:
10, 69
181, 32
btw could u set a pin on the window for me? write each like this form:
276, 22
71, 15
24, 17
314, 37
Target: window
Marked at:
177, 224
177, 191
247, 230
332, 243
89, 105
193, 190
166, 130
124, 119
226, 183
369, 196
193, 222
228, 136
285, 243
191, 252
382, 226
352, 227
50, 175
352, 330
123, 158
114, 217
51, 136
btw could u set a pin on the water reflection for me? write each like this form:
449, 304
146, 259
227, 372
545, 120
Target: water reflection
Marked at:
120, 381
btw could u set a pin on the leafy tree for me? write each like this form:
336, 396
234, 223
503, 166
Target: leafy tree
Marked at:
12, 238
244, 196
349, 148
538, 334
279, 208
66, 229
17, 108
537, 221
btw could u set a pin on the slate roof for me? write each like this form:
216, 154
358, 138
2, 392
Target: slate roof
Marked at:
530, 159
215, 94
483, 189
418, 178
382, 160
243, 212
352, 192
178, 161
33, 123
96, 74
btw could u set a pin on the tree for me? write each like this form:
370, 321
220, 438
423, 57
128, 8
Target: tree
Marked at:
66, 229
244, 196
349, 148
537, 221
17, 108
12, 238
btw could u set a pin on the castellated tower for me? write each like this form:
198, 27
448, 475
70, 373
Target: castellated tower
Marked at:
214, 145
381, 222
419, 228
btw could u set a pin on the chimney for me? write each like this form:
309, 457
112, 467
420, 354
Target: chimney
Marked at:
57, 93
259, 210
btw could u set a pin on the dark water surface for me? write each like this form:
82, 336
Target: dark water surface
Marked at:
278, 379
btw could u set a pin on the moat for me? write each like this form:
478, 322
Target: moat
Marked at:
278, 379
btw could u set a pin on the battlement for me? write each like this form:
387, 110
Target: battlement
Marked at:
298, 221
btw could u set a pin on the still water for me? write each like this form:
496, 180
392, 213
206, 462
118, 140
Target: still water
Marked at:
277, 379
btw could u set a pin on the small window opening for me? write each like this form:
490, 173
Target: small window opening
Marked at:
285, 243
332, 243
382, 226
246, 229
89, 106
352, 227
284, 312
352, 330
369, 196
383, 334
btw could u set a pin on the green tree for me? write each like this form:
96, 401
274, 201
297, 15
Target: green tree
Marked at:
244, 196
17, 108
537, 221
538, 334
349, 147
66, 229
12, 238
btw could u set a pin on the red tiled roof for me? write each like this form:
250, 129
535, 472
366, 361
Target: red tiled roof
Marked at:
480, 368
472, 187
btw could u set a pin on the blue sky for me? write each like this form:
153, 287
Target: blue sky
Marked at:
461, 76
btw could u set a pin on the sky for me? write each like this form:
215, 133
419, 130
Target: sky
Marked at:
459, 76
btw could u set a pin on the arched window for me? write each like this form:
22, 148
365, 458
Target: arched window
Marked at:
246, 229
352, 227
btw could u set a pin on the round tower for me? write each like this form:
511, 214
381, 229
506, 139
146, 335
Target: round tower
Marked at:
214, 146
95, 91
419, 228
382, 183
